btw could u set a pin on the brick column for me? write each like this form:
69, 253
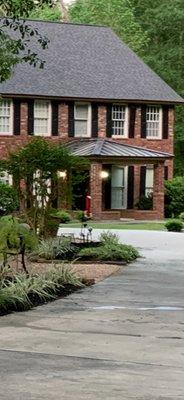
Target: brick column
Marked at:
96, 190
102, 121
158, 192
63, 120
24, 119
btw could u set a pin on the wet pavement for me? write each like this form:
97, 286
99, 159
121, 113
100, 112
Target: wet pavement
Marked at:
120, 339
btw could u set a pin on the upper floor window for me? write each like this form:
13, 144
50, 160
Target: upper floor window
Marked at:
6, 117
119, 120
42, 117
82, 117
154, 122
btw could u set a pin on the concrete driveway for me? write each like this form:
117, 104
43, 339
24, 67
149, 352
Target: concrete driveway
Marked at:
121, 339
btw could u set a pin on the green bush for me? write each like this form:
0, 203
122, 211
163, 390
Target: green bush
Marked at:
10, 232
174, 225
80, 216
145, 203
174, 198
181, 216
22, 292
8, 199
62, 215
110, 250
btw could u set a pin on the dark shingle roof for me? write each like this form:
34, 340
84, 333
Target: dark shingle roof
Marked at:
110, 148
88, 62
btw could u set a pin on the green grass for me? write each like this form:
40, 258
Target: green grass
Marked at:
151, 226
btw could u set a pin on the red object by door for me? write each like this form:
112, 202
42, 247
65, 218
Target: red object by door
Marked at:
88, 206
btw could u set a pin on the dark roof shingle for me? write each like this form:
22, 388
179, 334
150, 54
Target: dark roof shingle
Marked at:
88, 62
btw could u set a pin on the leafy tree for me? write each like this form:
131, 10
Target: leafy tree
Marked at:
164, 23
175, 196
8, 199
117, 14
35, 172
16, 36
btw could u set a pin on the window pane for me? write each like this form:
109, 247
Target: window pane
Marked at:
153, 121
118, 119
81, 111
41, 117
81, 128
149, 180
5, 116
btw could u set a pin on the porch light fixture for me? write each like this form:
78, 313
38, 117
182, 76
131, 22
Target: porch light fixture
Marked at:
104, 174
62, 174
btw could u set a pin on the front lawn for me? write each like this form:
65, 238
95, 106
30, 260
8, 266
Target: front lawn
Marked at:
150, 226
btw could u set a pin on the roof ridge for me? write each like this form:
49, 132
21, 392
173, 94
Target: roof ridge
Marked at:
66, 23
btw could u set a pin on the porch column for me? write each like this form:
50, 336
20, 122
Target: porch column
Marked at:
96, 189
158, 192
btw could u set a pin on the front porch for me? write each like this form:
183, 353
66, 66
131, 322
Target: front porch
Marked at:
120, 175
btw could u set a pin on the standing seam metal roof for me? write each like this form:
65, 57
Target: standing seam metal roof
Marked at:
110, 148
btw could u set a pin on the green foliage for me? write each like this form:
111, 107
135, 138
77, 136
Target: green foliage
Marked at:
80, 216
22, 292
16, 48
175, 195
46, 13
8, 199
145, 203
10, 232
62, 215
56, 248
110, 250
181, 216
174, 225
117, 14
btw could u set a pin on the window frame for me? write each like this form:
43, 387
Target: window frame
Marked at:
89, 120
8, 178
46, 134
126, 124
149, 189
123, 188
159, 137
10, 133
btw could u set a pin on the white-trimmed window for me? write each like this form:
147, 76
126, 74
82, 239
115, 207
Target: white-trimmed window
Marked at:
82, 119
6, 117
149, 180
42, 118
154, 122
120, 120
119, 182
6, 178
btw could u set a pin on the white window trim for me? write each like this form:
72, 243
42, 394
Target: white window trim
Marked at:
81, 119
159, 137
8, 177
11, 119
49, 120
126, 121
124, 207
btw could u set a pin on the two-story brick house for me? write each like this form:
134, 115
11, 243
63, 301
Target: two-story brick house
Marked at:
97, 97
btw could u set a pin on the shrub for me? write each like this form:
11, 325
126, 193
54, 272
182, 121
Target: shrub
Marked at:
174, 225
181, 216
62, 215
145, 203
8, 199
80, 216
10, 231
110, 250
174, 199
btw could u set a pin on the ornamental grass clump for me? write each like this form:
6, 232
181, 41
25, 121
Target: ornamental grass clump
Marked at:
20, 292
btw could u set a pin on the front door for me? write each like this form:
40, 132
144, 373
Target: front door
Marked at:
119, 187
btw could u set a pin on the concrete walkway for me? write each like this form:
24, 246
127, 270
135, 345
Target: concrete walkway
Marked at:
121, 339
